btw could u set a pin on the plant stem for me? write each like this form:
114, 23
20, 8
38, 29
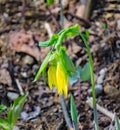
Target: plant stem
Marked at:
75, 126
61, 14
65, 112
92, 81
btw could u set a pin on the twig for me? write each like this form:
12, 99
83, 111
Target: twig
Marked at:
112, 1
105, 39
109, 10
11, 72
83, 21
101, 109
48, 28
19, 87
54, 19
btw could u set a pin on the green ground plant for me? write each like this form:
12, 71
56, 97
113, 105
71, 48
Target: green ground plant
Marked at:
117, 123
13, 113
61, 68
2, 108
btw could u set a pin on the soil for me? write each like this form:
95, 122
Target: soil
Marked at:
22, 25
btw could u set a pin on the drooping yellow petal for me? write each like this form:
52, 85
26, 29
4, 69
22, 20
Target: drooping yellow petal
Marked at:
52, 76
65, 89
62, 80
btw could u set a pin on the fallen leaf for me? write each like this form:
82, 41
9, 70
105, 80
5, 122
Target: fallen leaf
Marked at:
22, 41
5, 77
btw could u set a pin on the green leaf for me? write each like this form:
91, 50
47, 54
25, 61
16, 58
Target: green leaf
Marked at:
68, 32
85, 72
73, 110
73, 31
74, 77
50, 42
69, 64
15, 110
4, 124
104, 26
49, 2
66, 62
44, 64
81, 73
87, 34
2, 108
62, 31
117, 123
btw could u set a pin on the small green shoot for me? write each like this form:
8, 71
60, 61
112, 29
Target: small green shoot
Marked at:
86, 34
73, 113
13, 113
4, 124
104, 26
2, 107
117, 123
50, 2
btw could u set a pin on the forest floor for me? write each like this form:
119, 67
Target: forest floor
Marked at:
23, 25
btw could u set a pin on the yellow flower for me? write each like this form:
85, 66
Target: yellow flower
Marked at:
52, 76
62, 80
58, 78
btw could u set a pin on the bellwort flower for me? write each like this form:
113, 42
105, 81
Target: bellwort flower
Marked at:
57, 77
61, 66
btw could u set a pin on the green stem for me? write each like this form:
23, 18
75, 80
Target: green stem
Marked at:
62, 37
65, 112
92, 81
61, 14
75, 126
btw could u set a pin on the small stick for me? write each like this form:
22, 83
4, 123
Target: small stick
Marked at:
48, 28
101, 109
19, 87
